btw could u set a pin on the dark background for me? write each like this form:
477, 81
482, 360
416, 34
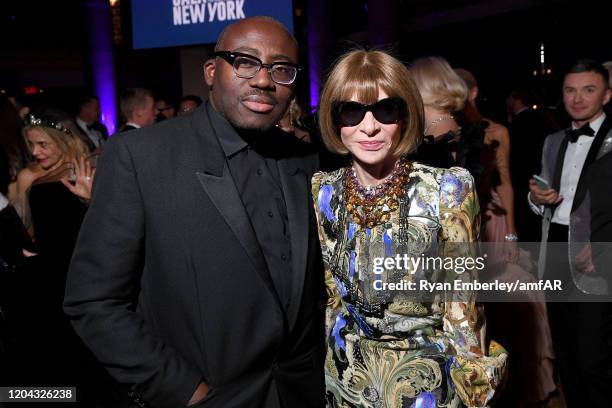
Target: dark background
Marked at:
44, 43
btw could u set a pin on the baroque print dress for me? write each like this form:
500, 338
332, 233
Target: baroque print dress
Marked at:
384, 348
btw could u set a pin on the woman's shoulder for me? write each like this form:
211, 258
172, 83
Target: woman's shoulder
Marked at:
421, 169
321, 178
496, 130
439, 176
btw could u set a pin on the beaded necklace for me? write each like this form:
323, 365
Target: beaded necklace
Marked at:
372, 205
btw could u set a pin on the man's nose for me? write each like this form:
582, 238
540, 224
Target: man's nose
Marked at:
262, 79
578, 97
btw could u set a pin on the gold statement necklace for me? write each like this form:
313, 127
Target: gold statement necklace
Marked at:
372, 205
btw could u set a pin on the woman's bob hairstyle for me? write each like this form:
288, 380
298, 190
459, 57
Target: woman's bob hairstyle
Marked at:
358, 75
439, 85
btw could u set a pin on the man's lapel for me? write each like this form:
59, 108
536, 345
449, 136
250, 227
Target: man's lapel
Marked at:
217, 182
295, 189
558, 170
591, 156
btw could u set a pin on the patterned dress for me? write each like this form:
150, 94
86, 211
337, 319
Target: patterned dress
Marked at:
385, 349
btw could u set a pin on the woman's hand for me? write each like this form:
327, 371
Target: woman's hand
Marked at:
84, 174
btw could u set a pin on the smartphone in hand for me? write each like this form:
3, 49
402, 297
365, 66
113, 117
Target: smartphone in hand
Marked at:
541, 183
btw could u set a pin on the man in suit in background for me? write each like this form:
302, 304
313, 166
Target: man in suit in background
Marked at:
137, 107
580, 329
88, 120
528, 129
197, 276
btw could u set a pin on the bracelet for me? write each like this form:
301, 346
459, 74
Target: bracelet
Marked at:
511, 237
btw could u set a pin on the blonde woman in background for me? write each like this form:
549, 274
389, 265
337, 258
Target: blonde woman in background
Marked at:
52, 191
444, 94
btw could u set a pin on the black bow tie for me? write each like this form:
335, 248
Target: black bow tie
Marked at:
574, 134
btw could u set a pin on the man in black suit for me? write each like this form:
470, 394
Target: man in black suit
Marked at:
570, 159
528, 129
88, 121
137, 107
197, 276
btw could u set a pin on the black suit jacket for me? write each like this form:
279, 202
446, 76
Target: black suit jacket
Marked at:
528, 130
600, 189
168, 284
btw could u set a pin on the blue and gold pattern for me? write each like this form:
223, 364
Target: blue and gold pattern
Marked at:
385, 349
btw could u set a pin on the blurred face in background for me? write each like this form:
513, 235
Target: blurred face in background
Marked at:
44, 149
163, 108
186, 107
90, 111
144, 115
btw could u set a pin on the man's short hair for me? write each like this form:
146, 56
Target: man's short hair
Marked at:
131, 98
523, 94
589, 65
192, 98
85, 98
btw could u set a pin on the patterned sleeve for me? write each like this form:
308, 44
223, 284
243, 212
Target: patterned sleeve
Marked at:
477, 368
320, 198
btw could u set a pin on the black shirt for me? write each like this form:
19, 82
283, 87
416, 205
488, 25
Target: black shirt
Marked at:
253, 162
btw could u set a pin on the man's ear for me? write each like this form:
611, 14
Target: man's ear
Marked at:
209, 71
473, 94
607, 96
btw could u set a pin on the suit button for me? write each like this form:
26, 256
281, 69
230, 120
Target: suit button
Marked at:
259, 172
270, 214
284, 257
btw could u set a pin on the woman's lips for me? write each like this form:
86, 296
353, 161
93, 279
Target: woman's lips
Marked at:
371, 145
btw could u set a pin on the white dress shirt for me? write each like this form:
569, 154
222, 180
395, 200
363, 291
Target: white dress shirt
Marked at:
4, 202
573, 162
94, 135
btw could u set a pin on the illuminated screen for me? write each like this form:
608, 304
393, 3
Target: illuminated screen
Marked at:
168, 23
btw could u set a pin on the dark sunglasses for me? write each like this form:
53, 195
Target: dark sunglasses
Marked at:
386, 111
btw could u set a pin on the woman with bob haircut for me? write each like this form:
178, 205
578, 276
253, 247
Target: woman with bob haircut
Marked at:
386, 347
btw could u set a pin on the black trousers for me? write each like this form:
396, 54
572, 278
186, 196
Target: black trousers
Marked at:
581, 336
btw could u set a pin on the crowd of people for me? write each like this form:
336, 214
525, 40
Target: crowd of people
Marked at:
200, 257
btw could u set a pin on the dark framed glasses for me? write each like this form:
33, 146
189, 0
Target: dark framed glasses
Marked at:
247, 66
386, 111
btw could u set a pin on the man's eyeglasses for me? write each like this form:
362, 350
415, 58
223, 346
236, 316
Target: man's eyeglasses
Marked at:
386, 111
247, 66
